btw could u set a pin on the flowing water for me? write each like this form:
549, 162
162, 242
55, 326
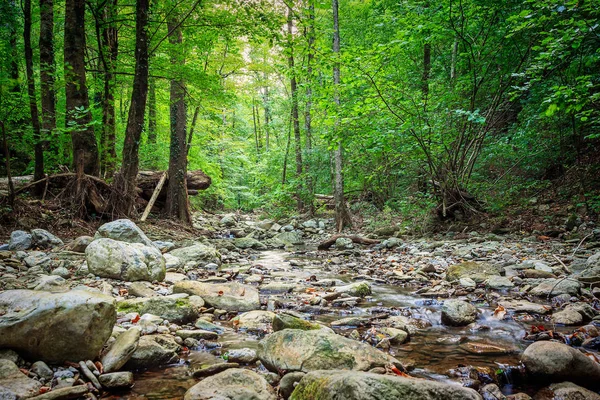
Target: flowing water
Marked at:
433, 351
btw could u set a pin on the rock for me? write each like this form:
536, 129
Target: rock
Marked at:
197, 255
152, 351
566, 391
121, 350
586, 311
116, 380
289, 238
352, 385
499, 283
248, 243
207, 326
196, 334
557, 362
20, 240
140, 289
14, 384
357, 289
255, 321
80, 244
232, 384
62, 272
51, 283
298, 350
343, 243
230, 296
525, 306
64, 393
467, 282
245, 356
458, 313
123, 230
45, 240
212, 369
42, 370
11, 355
164, 246
397, 336
108, 258
56, 327
556, 287
286, 321
567, 317
537, 274
477, 271
229, 220
178, 308
491, 391
288, 383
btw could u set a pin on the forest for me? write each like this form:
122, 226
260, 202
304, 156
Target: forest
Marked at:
402, 107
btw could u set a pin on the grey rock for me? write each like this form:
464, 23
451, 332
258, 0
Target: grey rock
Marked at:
64, 393
14, 384
198, 255
79, 244
232, 384
116, 380
230, 296
566, 391
140, 289
458, 313
44, 239
178, 308
62, 272
152, 351
123, 230
288, 383
344, 243
197, 334
358, 289
478, 271
20, 240
556, 287
42, 370
56, 327
499, 283
244, 356
255, 321
121, 350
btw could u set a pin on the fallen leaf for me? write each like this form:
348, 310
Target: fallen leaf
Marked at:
499, 312
99, 366
135, 319
310, 290
44, 389
220, 293
396, 371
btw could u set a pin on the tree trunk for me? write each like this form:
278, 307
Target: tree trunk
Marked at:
137, 108
177, 200
47, 72
310, 34
33, 108
152, 112
342, 215
78, 116
295, 118
109, 50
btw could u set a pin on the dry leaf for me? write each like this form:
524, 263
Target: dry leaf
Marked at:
499, 312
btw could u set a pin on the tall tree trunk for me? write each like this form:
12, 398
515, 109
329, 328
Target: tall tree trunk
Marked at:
47, 72
426, 71
177, 199
342, 215
135, 120
109, 50
310, 34
38, 172
295, 118
152, 112
79, 116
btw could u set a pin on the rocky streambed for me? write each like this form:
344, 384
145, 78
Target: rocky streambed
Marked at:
257, 312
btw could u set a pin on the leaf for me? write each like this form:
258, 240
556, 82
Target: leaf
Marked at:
499, 312
220, 293
135, 319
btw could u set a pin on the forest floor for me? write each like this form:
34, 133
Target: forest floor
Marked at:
458, 307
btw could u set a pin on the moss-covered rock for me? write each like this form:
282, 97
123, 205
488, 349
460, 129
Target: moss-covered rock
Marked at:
232, 384
478, 271
286, 321
356, 289
230, 296
178, 308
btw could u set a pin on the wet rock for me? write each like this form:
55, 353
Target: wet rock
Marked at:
56, 327
357, 289
207, 326
45, 240
491, 391
231, 296
109, 258
396, 336
255, 321
567, 317
197, 255
152, 351
525, 306
351, 385
499, 283
557, 362
196, 334
244, 356
298, 350
478, 271
64, 393
116, 380
123, 230
249, 243
288, 383
566, 391
212, 369
458, 313
179, 308
42, 370
556, 287
20, 240
286, 321
80, 244
232, 384
14, 384
121, 350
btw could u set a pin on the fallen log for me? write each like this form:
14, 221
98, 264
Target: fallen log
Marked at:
355, 239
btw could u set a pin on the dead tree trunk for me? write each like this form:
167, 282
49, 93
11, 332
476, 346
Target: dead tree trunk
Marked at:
79, 116
177, 199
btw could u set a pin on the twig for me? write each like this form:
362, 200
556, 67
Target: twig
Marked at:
561, 263
580, 243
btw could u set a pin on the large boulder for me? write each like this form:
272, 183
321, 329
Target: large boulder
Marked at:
44, 239
110, 258
232, 384
197, 255
299, 350
230, 296
566, 391
56, 327
458, 313
179, 308
20, 240
14, 384
478, 271
123, 230
557, 362
352, 385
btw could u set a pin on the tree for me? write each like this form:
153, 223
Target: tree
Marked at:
177, 197
126, 181
47, 72
35, 119
78, 113
342, 215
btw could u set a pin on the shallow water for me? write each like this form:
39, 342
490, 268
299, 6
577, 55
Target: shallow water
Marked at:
432, 351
